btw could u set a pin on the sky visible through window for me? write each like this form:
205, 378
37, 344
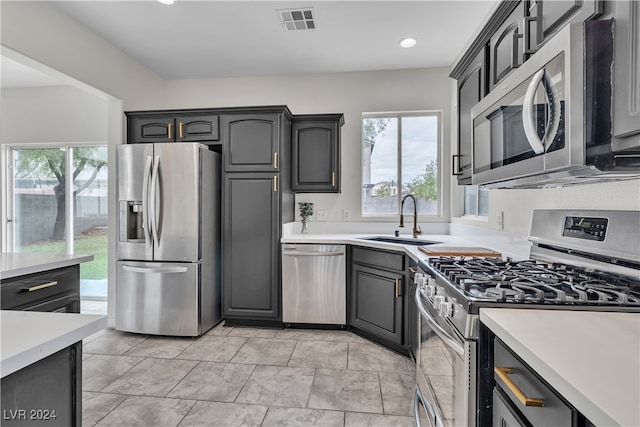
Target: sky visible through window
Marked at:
419, 147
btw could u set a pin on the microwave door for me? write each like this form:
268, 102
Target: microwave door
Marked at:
514, 131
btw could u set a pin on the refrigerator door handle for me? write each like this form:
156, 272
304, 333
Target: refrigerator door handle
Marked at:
154, 201
163, 270
145, 202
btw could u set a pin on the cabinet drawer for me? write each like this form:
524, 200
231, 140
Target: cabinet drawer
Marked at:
554, 410
26, 290
380, 259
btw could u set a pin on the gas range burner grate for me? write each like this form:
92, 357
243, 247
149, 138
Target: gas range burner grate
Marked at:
533, 281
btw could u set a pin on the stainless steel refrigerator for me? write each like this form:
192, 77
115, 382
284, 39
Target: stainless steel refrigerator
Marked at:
168, 252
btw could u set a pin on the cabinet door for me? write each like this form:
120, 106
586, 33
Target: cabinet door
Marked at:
626, 99
251, 247
151, 129
546, 17
377, 302
251, 143
506, 47
198, 128
315, 152
471, 89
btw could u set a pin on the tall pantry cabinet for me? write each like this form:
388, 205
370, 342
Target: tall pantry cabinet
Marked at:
257, 200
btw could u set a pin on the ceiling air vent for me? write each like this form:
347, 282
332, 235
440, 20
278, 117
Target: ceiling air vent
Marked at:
297, 19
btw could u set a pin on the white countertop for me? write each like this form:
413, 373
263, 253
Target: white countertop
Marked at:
360, 239
19, 264
29, 336
591, 358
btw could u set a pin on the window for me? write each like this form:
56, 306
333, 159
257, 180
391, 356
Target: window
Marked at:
400, 157
53, 214
476, 201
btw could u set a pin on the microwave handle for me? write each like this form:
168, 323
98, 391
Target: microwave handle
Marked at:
528, 119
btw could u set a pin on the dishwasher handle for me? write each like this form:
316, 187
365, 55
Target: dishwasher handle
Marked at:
295, 253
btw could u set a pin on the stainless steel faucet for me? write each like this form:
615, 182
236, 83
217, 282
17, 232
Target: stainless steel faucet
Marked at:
416, 227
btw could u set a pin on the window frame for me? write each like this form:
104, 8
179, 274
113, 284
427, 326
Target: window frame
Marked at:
439, 114
476, 208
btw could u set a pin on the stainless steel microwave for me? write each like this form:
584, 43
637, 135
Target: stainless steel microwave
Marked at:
549, 122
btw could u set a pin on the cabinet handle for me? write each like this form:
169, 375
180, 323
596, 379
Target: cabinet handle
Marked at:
455, 171
275, 160
333, 179
275, 183
413, 270
181, 136
526, 401
527, 34
169, 131
397, 288
43, 286
515, 58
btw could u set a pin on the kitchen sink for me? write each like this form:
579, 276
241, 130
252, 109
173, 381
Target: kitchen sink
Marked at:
399, 240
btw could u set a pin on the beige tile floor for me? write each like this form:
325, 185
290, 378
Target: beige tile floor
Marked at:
244, 377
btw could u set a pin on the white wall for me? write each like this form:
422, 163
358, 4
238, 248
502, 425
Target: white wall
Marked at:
347, 93
38, 30
52, 114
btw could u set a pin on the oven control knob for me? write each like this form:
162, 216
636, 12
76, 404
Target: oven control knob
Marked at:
430, 290
437, 300
445, 309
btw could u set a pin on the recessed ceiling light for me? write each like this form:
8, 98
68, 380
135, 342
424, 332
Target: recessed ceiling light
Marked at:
166, 1
408, 42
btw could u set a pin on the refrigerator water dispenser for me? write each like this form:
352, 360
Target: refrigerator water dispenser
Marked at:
131, 224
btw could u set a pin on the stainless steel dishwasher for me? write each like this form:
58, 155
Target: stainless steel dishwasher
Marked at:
314, 288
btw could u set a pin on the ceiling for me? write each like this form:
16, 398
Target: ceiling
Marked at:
210, 39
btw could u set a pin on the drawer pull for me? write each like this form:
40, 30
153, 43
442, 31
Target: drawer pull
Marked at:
42, 286
526, 401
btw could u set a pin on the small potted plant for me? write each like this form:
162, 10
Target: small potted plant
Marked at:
306, 210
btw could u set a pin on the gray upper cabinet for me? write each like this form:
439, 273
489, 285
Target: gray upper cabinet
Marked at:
626, 107
506, 47
315, 153
471, 89
172, 127
252, 143
545, 18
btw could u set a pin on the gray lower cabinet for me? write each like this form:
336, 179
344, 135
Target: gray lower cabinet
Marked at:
376, 295
315, 153
251, 234
47, 392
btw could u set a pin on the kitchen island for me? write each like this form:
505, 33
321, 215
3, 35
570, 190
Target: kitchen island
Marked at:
592, 359
41, 366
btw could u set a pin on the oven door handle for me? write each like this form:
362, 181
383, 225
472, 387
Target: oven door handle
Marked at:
418, 400
448, 339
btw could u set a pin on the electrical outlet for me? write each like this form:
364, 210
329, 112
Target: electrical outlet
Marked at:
500, 218
346, 215
321, 215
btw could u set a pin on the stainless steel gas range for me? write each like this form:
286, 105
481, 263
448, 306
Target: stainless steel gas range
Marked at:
579, 260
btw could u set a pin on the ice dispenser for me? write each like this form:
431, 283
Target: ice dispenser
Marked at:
131, 224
